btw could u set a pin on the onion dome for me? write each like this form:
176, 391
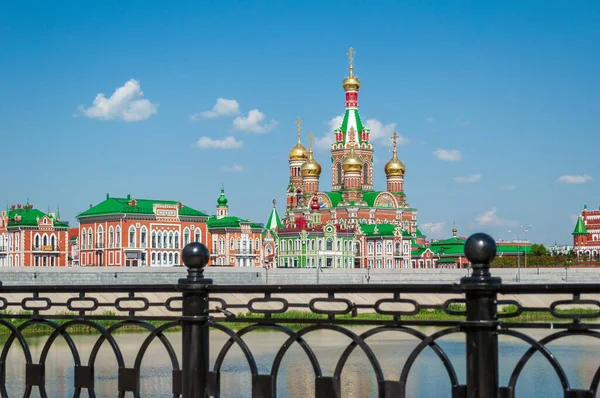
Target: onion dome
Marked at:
395, 167
310, 168
351, 82
222, 201
314, 203
352, 162
299, 152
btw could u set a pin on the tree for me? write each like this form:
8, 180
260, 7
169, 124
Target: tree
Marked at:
538, 250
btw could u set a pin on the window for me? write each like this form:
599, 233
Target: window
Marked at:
329, 244
320, 244
186, 237
338, 173
153, 257
44, 263
153, 240
378, 247
164, 239
232, 244
17, 235
36, 260
198, 235
389, 247
176, 258
143, 237
170, 240
111, 237
159, 239
176, 237
366, 174
339, 245
45, 240
90, 239
257, 244
370, 247
164, 258
100, 238
118, 239
282, 245
52, 261
53, 242
170, 258
37, 240
132, 236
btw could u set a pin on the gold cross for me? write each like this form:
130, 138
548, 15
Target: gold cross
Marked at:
394, 138
310, 139
298, 122
350, 55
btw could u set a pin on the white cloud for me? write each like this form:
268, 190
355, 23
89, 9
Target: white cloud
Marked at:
468, 179
433, 228
449, 155
223, 107
508, 187
252, 122
234, 168
124, 104
429, 119
463, 123
490, 218
574, 179
380, 133
226, 143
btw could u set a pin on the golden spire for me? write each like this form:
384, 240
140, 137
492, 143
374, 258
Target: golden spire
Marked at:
310, 140
298, 152
395, 167
350, 55
299, 123
351, 82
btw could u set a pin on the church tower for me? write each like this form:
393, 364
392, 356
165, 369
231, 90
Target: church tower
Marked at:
298, 155
394, 170
311, 171
352, 134
222, 208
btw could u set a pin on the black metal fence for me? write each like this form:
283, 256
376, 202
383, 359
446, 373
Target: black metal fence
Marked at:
197, 307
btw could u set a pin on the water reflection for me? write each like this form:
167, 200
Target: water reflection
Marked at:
428, 378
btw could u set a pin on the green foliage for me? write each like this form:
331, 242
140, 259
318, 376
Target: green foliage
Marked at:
538, 250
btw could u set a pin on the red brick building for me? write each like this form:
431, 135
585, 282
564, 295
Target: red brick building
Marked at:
30, 237
586, 235
138, 232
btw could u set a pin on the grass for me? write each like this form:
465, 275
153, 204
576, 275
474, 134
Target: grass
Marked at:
243, 320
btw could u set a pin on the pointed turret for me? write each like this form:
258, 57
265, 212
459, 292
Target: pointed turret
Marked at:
580, 228
274, 222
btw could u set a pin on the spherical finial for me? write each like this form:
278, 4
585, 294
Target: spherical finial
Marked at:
195, 255
480, 249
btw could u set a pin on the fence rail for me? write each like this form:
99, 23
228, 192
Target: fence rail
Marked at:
198, 307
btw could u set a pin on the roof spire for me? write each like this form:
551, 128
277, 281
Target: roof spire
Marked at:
350, 55
310, 141
299, 123
58, 212
274, 202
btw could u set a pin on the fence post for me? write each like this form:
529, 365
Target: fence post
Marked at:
194, 321
482, 318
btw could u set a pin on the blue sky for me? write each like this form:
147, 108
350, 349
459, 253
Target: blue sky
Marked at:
507, 92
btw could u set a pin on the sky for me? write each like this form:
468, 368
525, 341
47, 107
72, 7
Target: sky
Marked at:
497, 104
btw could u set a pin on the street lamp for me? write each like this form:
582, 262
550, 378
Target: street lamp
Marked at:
266, 268
518, 232
368, 276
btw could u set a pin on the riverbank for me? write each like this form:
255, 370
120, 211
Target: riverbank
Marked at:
239, 321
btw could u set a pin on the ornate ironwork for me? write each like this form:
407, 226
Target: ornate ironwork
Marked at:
196, 305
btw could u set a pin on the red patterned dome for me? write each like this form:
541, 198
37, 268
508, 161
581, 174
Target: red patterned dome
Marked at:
314, 204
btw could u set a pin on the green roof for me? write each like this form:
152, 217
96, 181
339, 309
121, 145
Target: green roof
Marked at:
382, 229
29, 218
512, 249
335, 197
580, 228
229, 222
359, 125
446, 260
222, 201
369, 197
452, 246
142, 206
419, 234
274, 222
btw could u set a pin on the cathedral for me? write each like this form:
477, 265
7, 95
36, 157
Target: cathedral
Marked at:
352, 225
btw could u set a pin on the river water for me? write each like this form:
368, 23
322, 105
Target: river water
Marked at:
579, 356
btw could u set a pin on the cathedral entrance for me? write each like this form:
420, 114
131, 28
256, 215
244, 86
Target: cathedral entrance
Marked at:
329, 262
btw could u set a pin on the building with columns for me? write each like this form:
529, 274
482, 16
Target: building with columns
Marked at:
376, 219
30, 237
138, 232
234, 241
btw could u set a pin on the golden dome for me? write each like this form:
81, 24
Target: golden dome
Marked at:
394, 167
310, 168
352, 162
299, 152
351, 83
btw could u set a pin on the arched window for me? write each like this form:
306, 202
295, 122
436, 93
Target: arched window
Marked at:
338, 173
176, 238
164, 239
90, 239
170, 239
198, 235
53, 242
366, 173
164, 258
118, 237
131, 236
82, 240
37, 240
159, 239
153, 257
45, 240
170, 258
176, 258
153, 240
186, 236
144, 237
111, 237
339, 245
378, 247
320, 244
17, 261
329, 245
231, 244
282, 246
257, 244
100, 237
